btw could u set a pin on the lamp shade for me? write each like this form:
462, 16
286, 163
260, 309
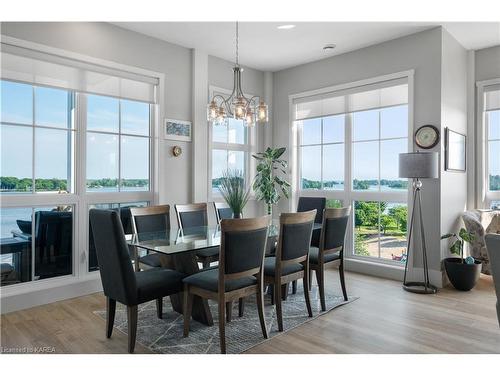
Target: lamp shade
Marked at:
418, 165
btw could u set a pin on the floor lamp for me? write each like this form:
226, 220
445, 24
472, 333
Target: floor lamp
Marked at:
418, 165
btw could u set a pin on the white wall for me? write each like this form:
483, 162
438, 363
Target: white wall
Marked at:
487, 64
421, 52
453, 116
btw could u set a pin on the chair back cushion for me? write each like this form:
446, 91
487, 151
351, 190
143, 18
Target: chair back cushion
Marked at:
295, 240
152, 223
126, 219
311, 203
244, 250
335, 230
224, 213
193, 219
115, 266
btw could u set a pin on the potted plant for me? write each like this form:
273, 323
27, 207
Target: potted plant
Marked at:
268, 186
462, 273
232, 189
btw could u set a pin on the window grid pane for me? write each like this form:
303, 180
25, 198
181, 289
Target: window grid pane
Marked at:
322, 153
118, 131
231, 139
43, 127
380, 230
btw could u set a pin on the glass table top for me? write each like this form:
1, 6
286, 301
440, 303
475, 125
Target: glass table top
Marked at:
177, 241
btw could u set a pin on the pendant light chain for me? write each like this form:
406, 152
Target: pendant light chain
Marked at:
237, 45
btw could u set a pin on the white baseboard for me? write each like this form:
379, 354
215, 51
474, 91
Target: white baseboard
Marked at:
385, 271
393, 272
20, 297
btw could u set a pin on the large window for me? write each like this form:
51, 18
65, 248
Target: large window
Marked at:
489, 104
348, 144
72, 136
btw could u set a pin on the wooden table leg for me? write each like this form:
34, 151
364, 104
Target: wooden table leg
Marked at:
186, 263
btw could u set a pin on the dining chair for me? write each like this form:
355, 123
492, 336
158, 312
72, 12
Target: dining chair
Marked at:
120, 282
150, 219
292, 258
307, 204
331, 249
493, 249
239, 274
195, 215
222, 211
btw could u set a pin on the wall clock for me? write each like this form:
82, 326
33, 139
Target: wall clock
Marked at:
427, 136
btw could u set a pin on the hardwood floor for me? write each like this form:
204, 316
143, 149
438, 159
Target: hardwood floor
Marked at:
385, 319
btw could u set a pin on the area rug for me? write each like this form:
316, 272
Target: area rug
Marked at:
165, 335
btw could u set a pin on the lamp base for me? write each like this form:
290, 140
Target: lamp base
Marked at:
420, 287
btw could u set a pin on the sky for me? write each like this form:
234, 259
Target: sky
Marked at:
53, 147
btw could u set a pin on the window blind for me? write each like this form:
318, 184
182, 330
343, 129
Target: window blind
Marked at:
361, 98
492, 98
38, 68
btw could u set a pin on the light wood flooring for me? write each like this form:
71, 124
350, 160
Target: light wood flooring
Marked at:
385, 319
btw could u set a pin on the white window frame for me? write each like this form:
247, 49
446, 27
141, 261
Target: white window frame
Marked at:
348, 196
484, 196
249, 147
79, 198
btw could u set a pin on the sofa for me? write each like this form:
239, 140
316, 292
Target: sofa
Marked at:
480, 223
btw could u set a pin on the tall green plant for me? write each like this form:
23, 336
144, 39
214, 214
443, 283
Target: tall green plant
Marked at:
232, 189
268, 185
457, 247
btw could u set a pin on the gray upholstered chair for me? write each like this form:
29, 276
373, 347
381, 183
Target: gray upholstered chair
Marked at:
331, 248
222, 211
150, 219
239, 274
195, 215
292, 257
480, 223
120, 282
493, 248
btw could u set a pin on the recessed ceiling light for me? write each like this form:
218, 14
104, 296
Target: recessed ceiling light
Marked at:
329, 47
286, 27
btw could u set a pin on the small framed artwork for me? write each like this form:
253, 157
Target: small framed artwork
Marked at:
455, 154
178, 130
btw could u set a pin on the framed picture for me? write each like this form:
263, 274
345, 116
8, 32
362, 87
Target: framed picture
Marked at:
178, 130
455, 153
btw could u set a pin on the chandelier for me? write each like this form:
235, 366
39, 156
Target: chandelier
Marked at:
237, 106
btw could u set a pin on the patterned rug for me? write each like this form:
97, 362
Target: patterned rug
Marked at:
165, 335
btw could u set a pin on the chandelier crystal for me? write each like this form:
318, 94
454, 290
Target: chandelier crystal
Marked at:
237, 106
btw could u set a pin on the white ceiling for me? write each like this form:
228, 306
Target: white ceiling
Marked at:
264, 47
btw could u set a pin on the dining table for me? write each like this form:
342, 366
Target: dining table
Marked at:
180, 246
